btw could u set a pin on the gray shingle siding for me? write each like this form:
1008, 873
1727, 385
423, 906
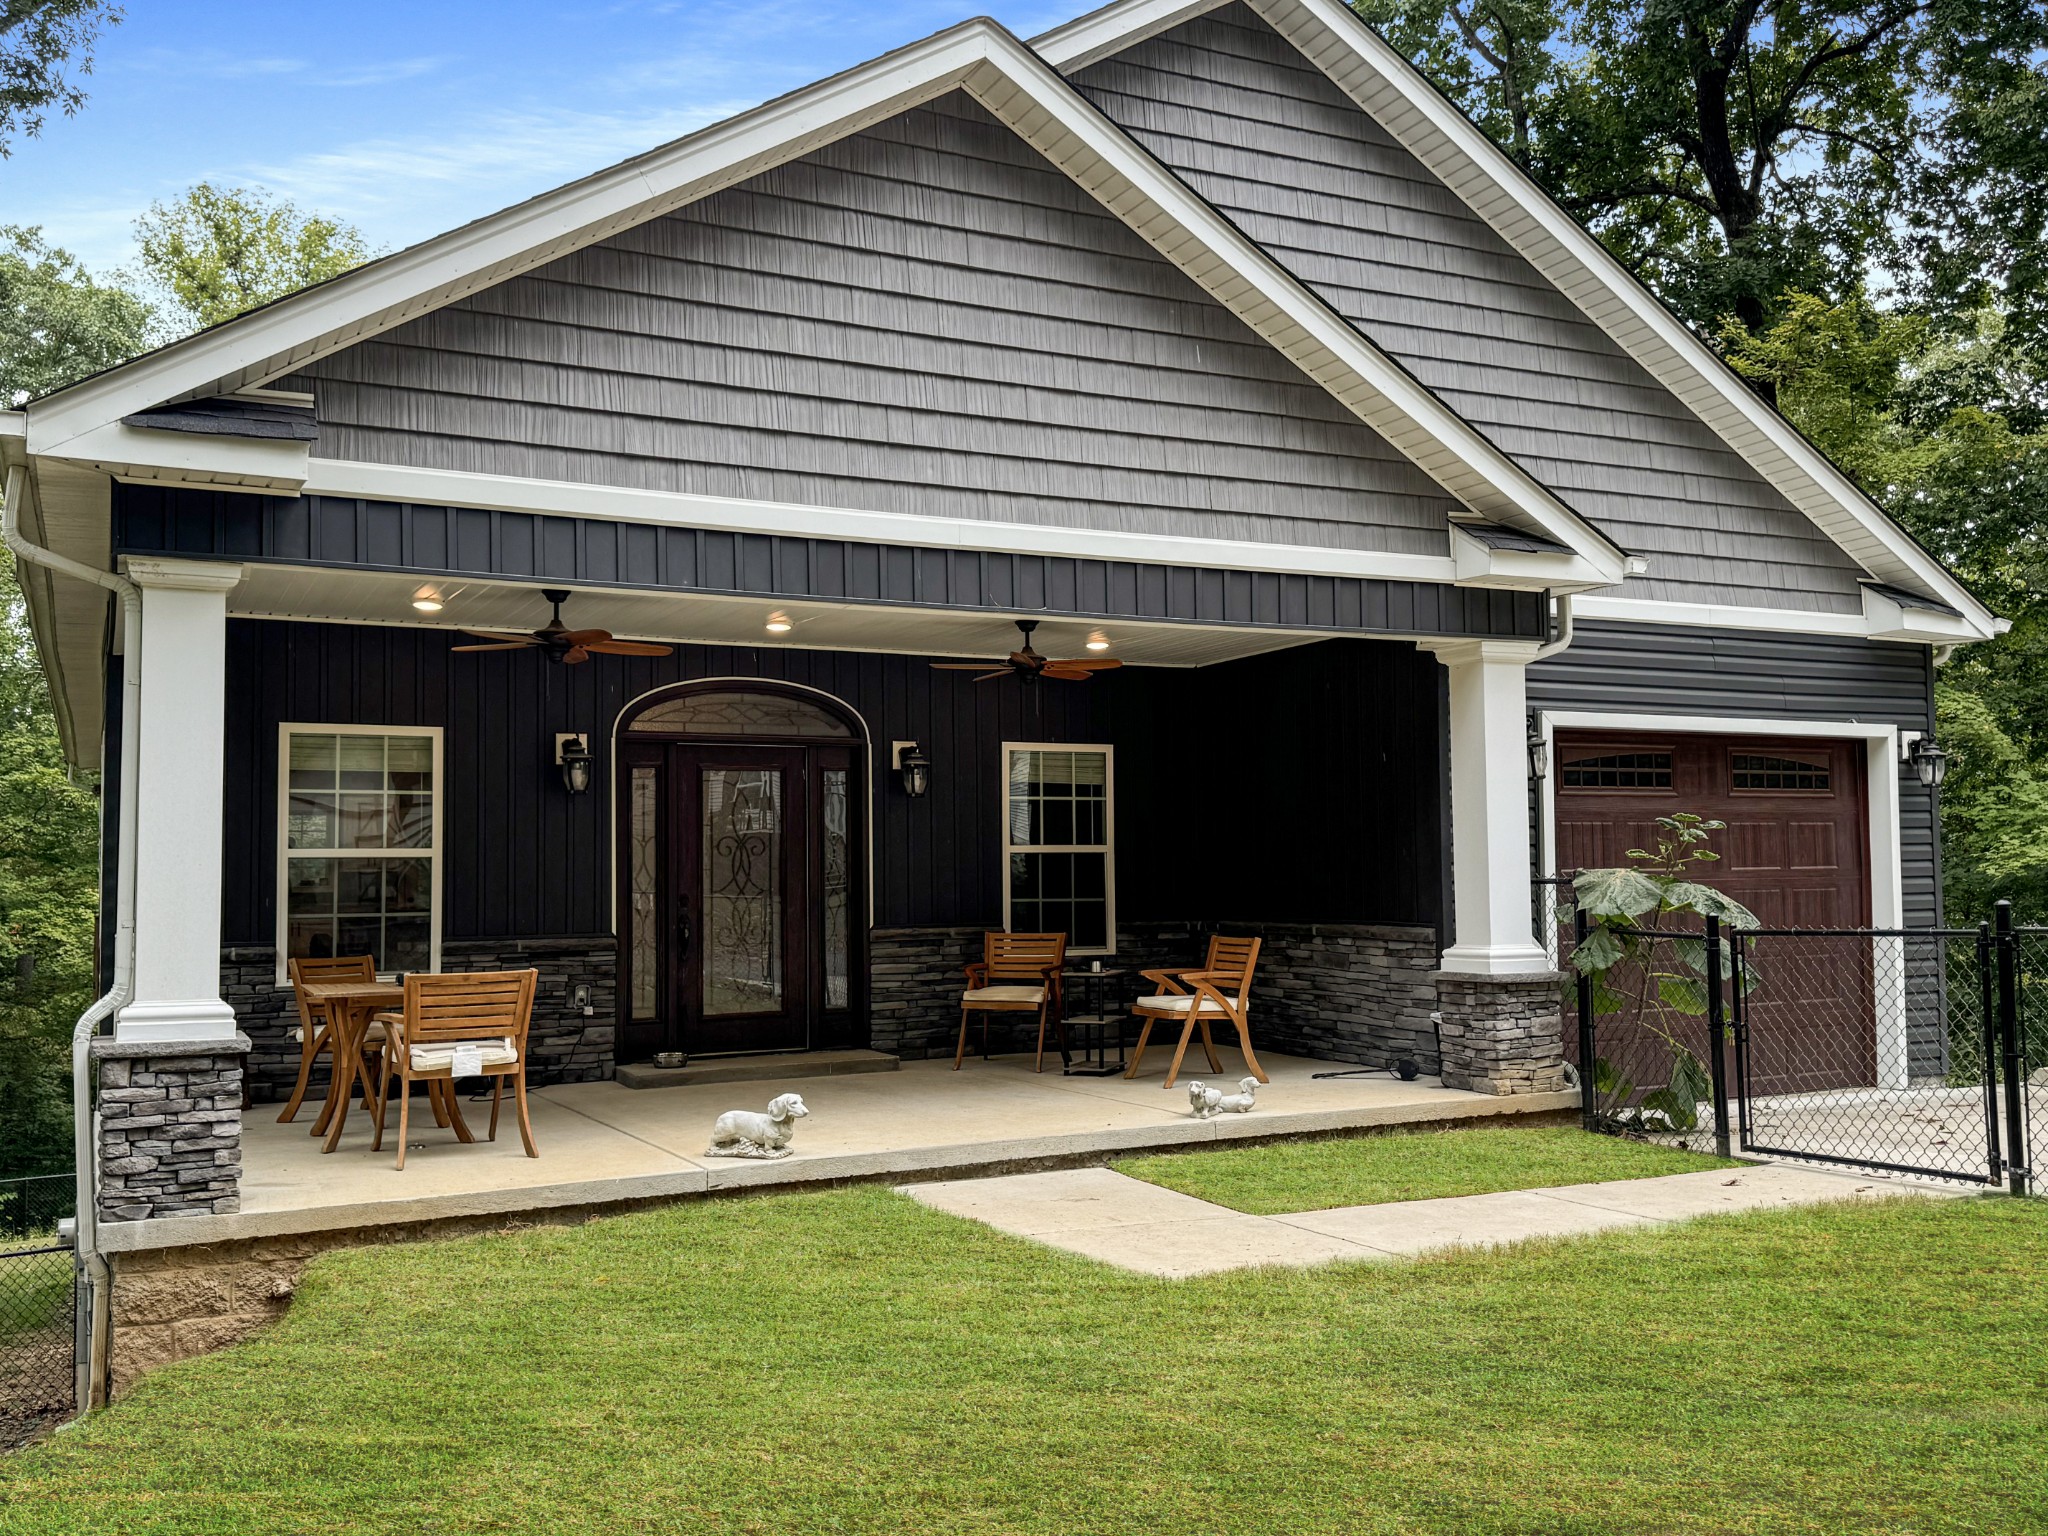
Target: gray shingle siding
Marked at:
1666, 670
924, 318
1261, 133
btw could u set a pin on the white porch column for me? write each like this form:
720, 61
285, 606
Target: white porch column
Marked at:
1490, 869
181, 742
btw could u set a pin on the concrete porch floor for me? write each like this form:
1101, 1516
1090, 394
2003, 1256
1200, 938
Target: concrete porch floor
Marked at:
601, 1143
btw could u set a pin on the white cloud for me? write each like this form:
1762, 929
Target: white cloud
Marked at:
384, 73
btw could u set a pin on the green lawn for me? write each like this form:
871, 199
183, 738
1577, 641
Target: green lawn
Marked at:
1408, 1165
853, 1362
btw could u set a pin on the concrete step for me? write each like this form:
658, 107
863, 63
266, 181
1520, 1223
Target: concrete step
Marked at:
754, 1069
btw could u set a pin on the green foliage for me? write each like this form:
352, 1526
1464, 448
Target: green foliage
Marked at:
218, 251
1731, 150
1646, 963
48, 895
57, 323
45, 46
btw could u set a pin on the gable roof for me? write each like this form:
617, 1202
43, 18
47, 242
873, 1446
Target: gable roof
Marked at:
1006, 78
1367, 69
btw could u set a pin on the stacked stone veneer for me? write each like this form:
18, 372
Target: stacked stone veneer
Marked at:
566, 1045
1349, 992
169, 1124
1502, 1034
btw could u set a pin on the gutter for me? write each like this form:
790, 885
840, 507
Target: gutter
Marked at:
95, 1287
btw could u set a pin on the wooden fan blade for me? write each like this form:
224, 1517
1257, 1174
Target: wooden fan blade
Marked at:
1066, 676
1088, 663
515, 645
573, 655
989, 677
583, 636
493, 634
625, 648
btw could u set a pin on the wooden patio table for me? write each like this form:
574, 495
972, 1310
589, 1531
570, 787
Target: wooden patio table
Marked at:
349, 1006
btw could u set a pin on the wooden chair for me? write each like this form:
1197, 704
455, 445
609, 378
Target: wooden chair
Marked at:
487, 1009
1018, 973
315, 1033
1219, 988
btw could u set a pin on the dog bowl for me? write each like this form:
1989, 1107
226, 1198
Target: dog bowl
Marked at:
671, 1058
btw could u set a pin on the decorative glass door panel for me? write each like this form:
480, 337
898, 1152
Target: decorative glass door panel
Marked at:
741, 854
741, 893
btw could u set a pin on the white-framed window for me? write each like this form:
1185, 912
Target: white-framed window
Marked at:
359, 844
1059, 833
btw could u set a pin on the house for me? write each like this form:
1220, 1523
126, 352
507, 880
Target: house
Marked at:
1207, 336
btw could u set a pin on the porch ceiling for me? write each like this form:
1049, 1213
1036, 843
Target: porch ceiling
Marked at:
376, 597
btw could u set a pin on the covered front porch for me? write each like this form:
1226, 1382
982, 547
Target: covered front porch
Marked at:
602, 1143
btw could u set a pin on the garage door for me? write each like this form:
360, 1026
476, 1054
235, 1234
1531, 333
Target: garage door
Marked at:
1795, 852
1796, 849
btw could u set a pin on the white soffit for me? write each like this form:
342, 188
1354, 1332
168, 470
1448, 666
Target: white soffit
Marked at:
1012, 83
382, 597
1401, 99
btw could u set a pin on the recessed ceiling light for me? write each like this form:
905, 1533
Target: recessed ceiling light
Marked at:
778, 624
1098, 643
426, 602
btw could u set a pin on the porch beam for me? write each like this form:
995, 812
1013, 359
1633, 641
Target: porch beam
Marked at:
1490, 846
181, 744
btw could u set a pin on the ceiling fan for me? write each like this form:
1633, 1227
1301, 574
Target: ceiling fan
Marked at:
1029, 665
564, 645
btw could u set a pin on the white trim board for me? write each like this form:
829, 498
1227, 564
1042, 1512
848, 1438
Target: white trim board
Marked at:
1019, 89
1401, 100
1917, 629
1881, 765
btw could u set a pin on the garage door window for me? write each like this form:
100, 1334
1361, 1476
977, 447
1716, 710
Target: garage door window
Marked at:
1618, 770
1757, 771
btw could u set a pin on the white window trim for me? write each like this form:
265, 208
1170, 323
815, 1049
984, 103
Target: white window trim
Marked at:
1107, 847
285, 731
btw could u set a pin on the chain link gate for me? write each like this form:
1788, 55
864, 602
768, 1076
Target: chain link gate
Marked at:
1921, 1052
37, 1305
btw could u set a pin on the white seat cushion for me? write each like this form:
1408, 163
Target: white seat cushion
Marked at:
438, 1058
1032, 995
1173, 1002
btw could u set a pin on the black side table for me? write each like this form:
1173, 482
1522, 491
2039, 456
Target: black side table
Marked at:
1098, 1025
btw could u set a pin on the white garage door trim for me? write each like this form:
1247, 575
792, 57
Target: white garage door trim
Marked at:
1880, 759
1887, 865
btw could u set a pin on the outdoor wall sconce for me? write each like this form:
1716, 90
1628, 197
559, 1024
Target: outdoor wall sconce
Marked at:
573, 757
913, 767
1539, 750
1929, 761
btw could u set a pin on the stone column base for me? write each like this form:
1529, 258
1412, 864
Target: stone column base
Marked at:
169, 1127
1502, 1034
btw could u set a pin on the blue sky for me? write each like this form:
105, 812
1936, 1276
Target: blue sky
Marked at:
408, 119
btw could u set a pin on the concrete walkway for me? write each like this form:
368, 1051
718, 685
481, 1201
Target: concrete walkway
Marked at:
1104, 1215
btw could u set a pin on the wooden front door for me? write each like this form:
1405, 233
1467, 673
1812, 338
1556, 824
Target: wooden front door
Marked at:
739, 905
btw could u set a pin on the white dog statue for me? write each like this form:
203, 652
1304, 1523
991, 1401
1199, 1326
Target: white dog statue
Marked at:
1207, 1101
744, 1133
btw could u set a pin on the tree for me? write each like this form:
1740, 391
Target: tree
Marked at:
1730, 150
48, 894
45, 46
57, 324
216, 252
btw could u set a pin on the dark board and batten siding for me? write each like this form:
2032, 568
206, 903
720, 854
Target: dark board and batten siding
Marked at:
1264, 135
448, 541
923, 318
1334, 818
1668, 670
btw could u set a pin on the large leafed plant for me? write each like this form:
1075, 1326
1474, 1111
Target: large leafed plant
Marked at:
1645, 952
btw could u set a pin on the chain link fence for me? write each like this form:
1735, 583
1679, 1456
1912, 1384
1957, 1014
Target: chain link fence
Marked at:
36, 1305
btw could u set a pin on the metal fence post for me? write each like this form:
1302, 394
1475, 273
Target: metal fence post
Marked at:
2017, 1172
1589, 1102
1987, 1016
1717, 1035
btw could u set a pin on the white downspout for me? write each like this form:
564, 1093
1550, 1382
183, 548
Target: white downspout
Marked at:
95, 1302
1564, 630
